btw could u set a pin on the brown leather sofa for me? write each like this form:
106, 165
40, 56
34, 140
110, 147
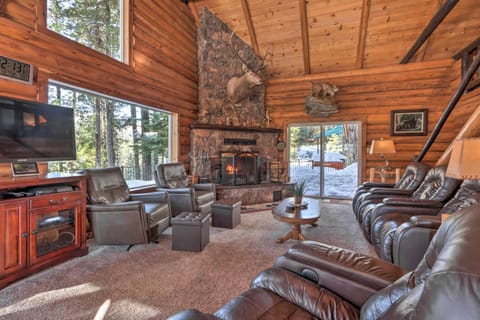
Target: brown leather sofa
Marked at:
172, 178
315, 281
411, 179
118, 217
408, 231
436, 186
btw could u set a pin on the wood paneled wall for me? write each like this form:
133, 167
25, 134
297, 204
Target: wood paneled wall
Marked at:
162, 72
369, 95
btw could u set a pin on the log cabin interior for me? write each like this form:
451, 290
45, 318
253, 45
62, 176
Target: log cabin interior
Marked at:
236, 80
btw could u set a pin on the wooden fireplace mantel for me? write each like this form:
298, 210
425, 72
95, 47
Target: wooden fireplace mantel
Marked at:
231, 128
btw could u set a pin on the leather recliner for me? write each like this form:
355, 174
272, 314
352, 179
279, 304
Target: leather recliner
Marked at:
172, 178
412, 178
444, 285
118, 217
436, 186
406, 235
384, 216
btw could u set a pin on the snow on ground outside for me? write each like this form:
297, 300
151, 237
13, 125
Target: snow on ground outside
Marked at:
338, 183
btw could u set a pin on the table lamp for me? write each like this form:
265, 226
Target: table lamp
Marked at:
465, 159
382, 146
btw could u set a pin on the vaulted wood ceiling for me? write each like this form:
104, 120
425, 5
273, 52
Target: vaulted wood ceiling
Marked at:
316, 36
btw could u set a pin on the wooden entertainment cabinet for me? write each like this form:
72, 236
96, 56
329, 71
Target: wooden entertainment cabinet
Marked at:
42, 223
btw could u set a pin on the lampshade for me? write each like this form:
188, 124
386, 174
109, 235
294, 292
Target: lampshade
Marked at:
465, 159
382, 146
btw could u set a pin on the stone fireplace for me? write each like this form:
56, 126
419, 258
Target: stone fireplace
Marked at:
232, 144
233, 156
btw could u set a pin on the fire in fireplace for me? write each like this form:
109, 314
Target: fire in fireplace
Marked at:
240, 168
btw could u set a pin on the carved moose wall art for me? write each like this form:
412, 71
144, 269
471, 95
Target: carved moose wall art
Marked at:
322, 101
240, 87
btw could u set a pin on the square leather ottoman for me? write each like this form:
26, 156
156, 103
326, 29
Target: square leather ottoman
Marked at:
190, 231
226, 214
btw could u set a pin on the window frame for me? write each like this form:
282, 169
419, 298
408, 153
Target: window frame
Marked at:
125, 30
172, 144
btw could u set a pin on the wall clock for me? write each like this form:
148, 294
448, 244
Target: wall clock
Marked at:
15, 70
280, 145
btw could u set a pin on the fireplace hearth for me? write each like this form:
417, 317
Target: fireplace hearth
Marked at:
241, 168
233, 156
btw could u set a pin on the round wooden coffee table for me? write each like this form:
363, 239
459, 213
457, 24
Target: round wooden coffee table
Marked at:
296, 216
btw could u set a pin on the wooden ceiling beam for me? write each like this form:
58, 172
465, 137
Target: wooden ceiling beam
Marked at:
362, 37
251, 29
423, 49
431, 26
194, 9
3, 5
305, 42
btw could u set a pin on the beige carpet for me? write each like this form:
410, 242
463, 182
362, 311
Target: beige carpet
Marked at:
152, 282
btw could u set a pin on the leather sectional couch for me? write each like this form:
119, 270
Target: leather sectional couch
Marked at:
412, 178
435, 186
317, 281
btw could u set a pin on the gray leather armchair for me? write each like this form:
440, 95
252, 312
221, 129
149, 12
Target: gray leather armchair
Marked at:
316, 281
172, 178
118, 217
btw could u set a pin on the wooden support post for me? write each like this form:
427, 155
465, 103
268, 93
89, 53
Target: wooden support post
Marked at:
451, 105
431, 26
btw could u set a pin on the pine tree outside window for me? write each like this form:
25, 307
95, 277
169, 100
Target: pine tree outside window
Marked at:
112, 132
97, 24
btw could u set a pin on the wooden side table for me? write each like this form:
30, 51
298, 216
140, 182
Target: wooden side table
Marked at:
296, 216
384, 174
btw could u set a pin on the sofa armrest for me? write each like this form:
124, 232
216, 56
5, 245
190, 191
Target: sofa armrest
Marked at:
425, 221
192, 314
378, 197
150, 197
377, 185
408, 202
116, 207
391, 191
408, 210
318, 301
343, 271
411, 240
204, 186
175, 190
119, 223
181, 202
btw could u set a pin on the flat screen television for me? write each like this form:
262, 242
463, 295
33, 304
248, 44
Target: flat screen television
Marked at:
33, 131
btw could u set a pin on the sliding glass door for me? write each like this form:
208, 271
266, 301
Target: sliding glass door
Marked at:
326, 156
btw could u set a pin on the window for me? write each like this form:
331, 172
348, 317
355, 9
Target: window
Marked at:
111, 132
98, 24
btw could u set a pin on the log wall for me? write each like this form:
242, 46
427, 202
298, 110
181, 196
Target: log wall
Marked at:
162, 71
369, 96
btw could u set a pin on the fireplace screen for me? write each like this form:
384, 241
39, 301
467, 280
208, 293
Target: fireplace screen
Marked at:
240, 168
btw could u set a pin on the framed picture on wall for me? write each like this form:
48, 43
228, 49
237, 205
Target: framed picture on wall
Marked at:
408, 122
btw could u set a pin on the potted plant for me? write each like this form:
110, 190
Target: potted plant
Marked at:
298, 189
